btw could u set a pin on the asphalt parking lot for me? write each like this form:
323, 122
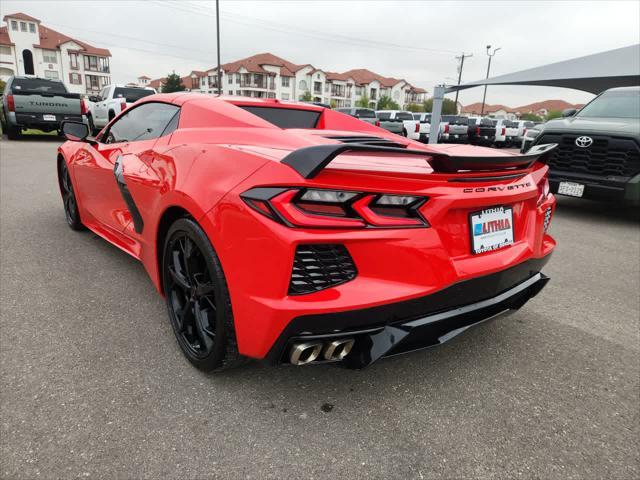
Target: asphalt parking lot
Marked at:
93, 383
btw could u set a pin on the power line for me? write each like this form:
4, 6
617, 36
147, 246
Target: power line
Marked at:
286, 29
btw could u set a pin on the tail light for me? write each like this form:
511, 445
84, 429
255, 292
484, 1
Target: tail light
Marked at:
478, 131
504, 131
524, 132
11, 103
377, 123
417, 130
83, 107
446, 128
123, 106
319, 208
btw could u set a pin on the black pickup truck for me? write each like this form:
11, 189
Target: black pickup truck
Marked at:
482, 131
598, 154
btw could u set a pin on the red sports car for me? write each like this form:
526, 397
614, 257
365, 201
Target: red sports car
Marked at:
295, 234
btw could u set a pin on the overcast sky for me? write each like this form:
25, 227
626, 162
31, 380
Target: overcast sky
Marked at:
415, 40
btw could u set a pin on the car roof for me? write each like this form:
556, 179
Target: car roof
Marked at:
624, 89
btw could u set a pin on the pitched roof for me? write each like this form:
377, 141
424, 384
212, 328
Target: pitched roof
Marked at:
157, 83
477, 108
143, 77
21, 16
254, 64
51, 40
4, 37
362, 76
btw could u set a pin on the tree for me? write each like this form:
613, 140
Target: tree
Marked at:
173, 83
2, 85
363, 102
414, 107
333, 104
385, 103
532, 117
306, 96
449, 107
551, 114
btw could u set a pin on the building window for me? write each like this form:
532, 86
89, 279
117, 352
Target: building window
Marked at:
75, 79
303, 85
32, 27
104, 64
4, 50
14, 25
230, 79
90, 63
73, 60
230, 91
23, 26
238, 78
51, 74
285, 96
359, 90
50, 56
285, 81
92, 81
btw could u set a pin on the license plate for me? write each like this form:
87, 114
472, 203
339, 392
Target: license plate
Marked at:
456, 136
49, 118
491, 229
571, 189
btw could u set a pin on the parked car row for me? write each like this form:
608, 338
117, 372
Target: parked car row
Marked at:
453, 128
43, 104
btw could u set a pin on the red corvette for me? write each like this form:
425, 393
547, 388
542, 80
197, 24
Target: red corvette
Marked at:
295, 234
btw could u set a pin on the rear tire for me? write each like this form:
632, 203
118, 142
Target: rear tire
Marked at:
14, 133
404, 132
197, 297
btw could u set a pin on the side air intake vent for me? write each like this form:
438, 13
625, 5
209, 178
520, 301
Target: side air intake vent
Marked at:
316, 267
368, 140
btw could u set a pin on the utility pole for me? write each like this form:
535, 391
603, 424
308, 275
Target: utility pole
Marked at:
218, 45
461, 58
484, 97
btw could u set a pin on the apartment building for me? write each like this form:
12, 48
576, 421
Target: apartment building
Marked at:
268, 76
29, 48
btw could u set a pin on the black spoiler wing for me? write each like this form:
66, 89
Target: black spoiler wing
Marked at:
310, 161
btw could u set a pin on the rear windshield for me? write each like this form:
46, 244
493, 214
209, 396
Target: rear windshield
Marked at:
37, 85
615, 104
454, 119
285, 117
383, 115
131, 94
365, 113
404, 116
488, 122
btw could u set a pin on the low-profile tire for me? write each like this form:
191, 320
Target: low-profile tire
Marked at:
14, 133
197, 297
69, 200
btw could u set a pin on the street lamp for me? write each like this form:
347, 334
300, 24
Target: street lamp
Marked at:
490, 55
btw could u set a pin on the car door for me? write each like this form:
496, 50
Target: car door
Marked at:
100, 109
100, 172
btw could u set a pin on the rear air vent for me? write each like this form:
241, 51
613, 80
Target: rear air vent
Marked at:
316, 267
368, 140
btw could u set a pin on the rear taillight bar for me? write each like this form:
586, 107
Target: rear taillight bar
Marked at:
323, 208
11, 103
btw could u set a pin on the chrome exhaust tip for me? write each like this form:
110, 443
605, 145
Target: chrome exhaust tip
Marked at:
338, 349
303, 353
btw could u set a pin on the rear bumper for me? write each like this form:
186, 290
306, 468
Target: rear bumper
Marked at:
419, 323
452, 138
617, 189
36, 120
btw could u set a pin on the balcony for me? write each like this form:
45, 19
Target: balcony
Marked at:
338, 92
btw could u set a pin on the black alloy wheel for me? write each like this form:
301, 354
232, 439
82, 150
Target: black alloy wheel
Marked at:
68, 197
197, 298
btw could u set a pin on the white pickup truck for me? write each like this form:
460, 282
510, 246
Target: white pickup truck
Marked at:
411, 127
112, 100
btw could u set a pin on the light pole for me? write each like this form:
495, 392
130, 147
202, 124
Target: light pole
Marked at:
484, 97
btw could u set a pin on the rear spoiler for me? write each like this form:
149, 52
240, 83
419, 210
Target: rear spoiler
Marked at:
310, 161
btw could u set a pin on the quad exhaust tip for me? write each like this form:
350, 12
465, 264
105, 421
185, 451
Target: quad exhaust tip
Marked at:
332, 351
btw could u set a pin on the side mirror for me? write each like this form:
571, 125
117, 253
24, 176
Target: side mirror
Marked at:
569, 112
95, 98
75, 131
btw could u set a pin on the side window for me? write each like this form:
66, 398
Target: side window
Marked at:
146, 122
103, 93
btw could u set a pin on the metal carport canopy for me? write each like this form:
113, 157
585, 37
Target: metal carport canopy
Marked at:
592, 73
